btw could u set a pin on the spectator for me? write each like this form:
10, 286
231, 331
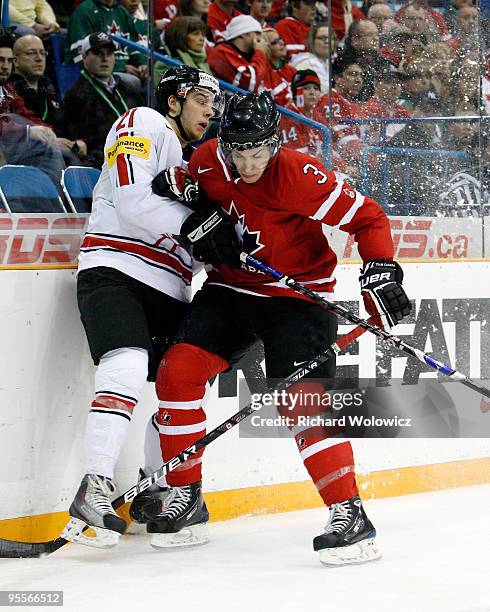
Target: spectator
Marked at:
418, 20
433, 23
199, 9
39, 94
367, 4
24, 138
348, 81
344, 12
460, 135
379, 14
294, 28
220, 13
184, 39
35, 17
305, 88
362, 49
278, 10
451, 14
316, 58
259, 10
97, 97
141, 25
466, 38
440, 59
164, 12
398, 46
279, 76
110, 17
387, 89
416, 83
241, 59
194, 8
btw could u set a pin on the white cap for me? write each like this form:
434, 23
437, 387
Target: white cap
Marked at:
242, 24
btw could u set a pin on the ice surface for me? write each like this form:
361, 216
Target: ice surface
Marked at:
435, 559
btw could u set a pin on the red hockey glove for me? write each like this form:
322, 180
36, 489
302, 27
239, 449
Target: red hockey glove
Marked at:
382, 292
212, 236
176, 183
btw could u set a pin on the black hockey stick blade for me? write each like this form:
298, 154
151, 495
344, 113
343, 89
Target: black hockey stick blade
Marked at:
9, 549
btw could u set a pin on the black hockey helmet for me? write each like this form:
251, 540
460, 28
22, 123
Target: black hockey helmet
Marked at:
249, 121
179, 80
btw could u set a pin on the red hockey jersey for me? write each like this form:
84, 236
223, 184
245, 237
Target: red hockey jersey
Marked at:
299, 136
278, 82
218, 20
294, 34
280, 219
227, 63
346, 138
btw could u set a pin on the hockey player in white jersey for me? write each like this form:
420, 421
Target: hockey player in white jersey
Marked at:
134, 277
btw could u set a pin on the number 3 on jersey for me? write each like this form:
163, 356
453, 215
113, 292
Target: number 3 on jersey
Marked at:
317, 172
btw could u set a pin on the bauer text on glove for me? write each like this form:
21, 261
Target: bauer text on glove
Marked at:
382, 291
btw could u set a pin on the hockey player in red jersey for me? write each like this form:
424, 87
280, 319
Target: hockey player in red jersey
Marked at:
134, 277
276, 200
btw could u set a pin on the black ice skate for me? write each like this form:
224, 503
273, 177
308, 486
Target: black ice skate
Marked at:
148, 504
183, 519
92, 507
349, 535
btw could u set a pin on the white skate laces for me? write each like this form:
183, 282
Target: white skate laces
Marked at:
98, 492
340, 517
176, 502
92, 508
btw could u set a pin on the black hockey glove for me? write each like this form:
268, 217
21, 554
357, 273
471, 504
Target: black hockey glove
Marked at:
382, 292
212, 236
176, 183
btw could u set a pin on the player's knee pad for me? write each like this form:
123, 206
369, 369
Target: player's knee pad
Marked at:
185, 370
122, 372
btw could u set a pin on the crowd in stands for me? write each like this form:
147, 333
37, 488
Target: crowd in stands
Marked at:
374, 61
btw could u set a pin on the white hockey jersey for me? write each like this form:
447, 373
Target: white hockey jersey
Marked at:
132, 229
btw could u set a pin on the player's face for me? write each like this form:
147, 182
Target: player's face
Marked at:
197, 111
251, 164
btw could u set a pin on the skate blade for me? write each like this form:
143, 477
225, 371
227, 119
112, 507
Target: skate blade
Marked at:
103, 538
195, 535
135, 528
361, 552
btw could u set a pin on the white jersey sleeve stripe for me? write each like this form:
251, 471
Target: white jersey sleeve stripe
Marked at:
329, 202
349, 215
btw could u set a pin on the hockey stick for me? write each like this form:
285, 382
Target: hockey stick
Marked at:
377, 331
12, 549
